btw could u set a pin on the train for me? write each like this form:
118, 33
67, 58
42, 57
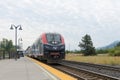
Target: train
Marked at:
49, 47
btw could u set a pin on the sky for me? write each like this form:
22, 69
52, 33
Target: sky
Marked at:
73, 19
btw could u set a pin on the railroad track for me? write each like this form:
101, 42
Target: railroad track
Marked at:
87, 71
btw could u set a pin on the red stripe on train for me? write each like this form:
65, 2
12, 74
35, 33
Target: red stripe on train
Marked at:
44, 40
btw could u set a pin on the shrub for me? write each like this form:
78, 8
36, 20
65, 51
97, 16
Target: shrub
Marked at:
101, 51
115, 53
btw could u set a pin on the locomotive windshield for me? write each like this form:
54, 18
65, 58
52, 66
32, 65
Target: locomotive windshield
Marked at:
53, 38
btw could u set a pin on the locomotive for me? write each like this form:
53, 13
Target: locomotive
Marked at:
49, 47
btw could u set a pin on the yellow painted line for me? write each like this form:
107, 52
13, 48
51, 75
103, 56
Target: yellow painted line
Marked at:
56, 72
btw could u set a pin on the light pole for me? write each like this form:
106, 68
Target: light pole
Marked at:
19, 43
16, 27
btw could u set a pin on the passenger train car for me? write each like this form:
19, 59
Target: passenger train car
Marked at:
49, 47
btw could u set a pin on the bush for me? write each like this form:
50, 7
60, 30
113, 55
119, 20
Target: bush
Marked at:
112, 50
101, 51
115, 53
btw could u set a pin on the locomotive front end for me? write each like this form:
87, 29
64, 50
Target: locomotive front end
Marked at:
54, 50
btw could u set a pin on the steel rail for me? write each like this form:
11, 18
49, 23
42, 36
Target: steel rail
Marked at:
93, 74
95, 65
108, 70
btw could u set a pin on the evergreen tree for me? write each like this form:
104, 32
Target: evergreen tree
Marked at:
87, 46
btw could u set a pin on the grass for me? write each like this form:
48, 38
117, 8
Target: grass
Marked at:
100, 59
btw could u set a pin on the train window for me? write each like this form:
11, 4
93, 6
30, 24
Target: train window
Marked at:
53, 37
57, 38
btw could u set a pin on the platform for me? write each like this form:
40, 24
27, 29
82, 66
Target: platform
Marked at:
23, 69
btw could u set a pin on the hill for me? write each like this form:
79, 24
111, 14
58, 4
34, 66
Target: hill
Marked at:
112, 45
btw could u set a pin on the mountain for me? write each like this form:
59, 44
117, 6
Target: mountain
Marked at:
112, 45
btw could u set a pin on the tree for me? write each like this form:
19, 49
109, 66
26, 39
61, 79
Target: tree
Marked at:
7, 46
87, 46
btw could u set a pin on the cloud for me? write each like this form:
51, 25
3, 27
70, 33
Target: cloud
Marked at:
72, 18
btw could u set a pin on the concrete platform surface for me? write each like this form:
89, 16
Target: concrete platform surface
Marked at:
23, 69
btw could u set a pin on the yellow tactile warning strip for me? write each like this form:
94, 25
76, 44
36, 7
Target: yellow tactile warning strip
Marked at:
56, 72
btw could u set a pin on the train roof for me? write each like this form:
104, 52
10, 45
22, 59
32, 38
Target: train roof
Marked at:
50, 33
